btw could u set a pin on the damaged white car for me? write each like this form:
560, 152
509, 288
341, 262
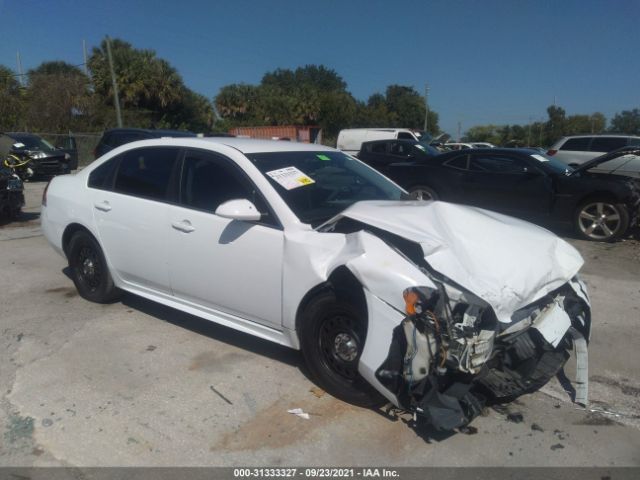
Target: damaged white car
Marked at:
434, 306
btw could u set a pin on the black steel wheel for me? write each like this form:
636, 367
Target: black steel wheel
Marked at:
332, 335
89, 269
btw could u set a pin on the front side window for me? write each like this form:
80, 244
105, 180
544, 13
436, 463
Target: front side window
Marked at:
496, 164
146, 172
316, 185
209, 180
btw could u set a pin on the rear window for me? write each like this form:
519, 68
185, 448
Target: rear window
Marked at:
607, 144
580, 144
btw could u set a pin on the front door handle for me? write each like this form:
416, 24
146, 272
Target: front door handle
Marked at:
184, 226
103, 206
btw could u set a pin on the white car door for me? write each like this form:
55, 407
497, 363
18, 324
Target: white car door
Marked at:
131, 214
216, 263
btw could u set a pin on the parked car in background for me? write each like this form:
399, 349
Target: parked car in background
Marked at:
119, 136
457, 146
69, 146
578, 149
409, 302
41, 157
482, 145
350, 140
526, 184
381, 153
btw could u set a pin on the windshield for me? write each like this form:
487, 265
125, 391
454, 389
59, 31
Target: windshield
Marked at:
32, 142
318, 185
553, 164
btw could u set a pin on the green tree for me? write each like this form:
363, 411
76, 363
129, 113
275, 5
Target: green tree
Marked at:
406, 106
65, 83
11, 101
627, 121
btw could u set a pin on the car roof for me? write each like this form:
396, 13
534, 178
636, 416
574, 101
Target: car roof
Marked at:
244, 145
614, 135
154, 132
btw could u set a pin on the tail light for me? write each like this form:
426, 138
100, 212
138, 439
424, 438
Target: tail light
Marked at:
44, 194
552, 152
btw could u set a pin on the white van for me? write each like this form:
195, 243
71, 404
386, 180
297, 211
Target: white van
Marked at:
351, 139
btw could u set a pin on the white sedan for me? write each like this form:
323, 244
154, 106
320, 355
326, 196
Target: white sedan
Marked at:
432, 306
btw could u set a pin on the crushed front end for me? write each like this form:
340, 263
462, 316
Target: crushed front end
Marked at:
450, 354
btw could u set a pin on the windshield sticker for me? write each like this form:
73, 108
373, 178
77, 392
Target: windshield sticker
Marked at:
540, 158
19, 145
323, 157
290, 178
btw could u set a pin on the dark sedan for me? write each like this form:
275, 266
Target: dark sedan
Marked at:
523, 183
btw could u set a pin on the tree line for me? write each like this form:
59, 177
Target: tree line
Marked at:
59, 97
558, 124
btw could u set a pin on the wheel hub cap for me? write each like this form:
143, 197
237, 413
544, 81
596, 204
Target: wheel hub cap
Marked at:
599, 220
346, 347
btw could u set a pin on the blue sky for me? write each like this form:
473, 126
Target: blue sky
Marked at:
491, 61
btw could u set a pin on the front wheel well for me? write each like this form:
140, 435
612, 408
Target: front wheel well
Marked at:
68, 234
345, 286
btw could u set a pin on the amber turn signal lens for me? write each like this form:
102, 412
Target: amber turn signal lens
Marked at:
410, 300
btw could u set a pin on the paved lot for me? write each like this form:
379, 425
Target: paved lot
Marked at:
135, 383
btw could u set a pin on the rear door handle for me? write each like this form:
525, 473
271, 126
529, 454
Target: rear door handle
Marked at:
103, 206
184, 226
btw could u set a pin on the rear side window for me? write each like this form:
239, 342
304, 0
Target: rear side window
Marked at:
405, 136
379, 148
607, 144
146, 172
580, 144
102, 177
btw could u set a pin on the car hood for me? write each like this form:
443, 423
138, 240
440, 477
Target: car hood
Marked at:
507, 262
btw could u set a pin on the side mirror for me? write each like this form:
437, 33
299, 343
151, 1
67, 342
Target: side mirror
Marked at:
239, 209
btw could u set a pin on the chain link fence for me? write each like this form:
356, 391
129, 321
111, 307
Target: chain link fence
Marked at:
83, 143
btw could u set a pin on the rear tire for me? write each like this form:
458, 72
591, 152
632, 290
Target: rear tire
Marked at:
89, 269
332, 336
423, 192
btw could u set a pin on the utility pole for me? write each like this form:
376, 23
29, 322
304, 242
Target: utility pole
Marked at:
20, 69
84, 55
116, 99
459, 129
426, 106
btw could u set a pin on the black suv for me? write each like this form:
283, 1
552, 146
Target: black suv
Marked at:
119, 136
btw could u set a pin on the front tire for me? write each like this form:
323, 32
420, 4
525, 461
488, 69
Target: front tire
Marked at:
332, 336
89, 269
601, 220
